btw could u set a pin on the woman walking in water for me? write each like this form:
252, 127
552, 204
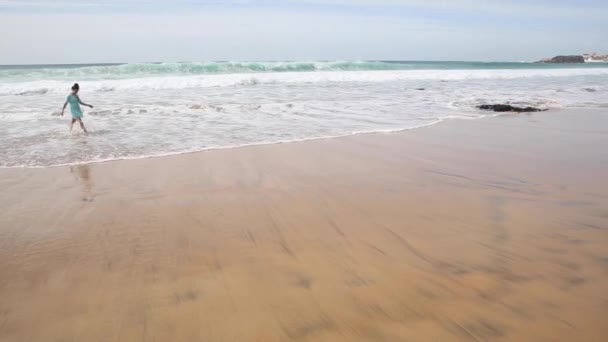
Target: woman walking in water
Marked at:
75, 103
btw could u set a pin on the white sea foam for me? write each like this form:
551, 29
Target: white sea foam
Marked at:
154, 110
231, 80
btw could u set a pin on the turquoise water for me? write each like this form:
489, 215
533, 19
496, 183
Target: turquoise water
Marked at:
126, 70
154, 109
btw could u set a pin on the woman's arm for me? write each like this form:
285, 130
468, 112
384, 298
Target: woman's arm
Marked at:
82, 103
63, 109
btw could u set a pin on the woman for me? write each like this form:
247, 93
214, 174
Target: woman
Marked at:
75, 103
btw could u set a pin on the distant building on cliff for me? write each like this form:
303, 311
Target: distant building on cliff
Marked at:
595, 57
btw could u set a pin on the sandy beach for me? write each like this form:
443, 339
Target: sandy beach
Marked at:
468, 230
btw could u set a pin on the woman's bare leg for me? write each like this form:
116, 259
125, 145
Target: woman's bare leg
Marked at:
72, 124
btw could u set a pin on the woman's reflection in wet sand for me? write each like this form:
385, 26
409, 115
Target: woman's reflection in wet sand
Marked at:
83, 173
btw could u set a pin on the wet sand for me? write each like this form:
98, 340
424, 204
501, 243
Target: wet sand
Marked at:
479, 230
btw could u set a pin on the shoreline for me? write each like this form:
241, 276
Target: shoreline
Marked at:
379, 132
488, 229
219, 148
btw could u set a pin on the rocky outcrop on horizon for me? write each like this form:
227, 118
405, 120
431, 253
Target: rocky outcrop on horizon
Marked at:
565, 59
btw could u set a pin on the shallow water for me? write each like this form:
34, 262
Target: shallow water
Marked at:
155, 109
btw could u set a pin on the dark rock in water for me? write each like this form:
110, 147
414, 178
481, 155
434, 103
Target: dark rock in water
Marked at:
420, 89
565, 59
508, 108
591, 90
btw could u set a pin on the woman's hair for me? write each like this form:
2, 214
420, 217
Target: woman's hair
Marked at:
75, 86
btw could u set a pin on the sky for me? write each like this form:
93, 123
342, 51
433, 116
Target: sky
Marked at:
95, 31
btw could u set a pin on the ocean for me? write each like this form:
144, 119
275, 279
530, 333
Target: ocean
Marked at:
156, 109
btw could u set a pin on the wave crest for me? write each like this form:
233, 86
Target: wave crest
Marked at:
211, 68
250, 79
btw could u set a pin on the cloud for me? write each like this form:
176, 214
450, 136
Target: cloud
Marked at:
570, 9
596, 9
208, 35
102, 31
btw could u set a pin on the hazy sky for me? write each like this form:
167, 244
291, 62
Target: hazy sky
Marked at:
78, 31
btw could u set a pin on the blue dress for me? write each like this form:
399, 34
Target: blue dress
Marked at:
74, 106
